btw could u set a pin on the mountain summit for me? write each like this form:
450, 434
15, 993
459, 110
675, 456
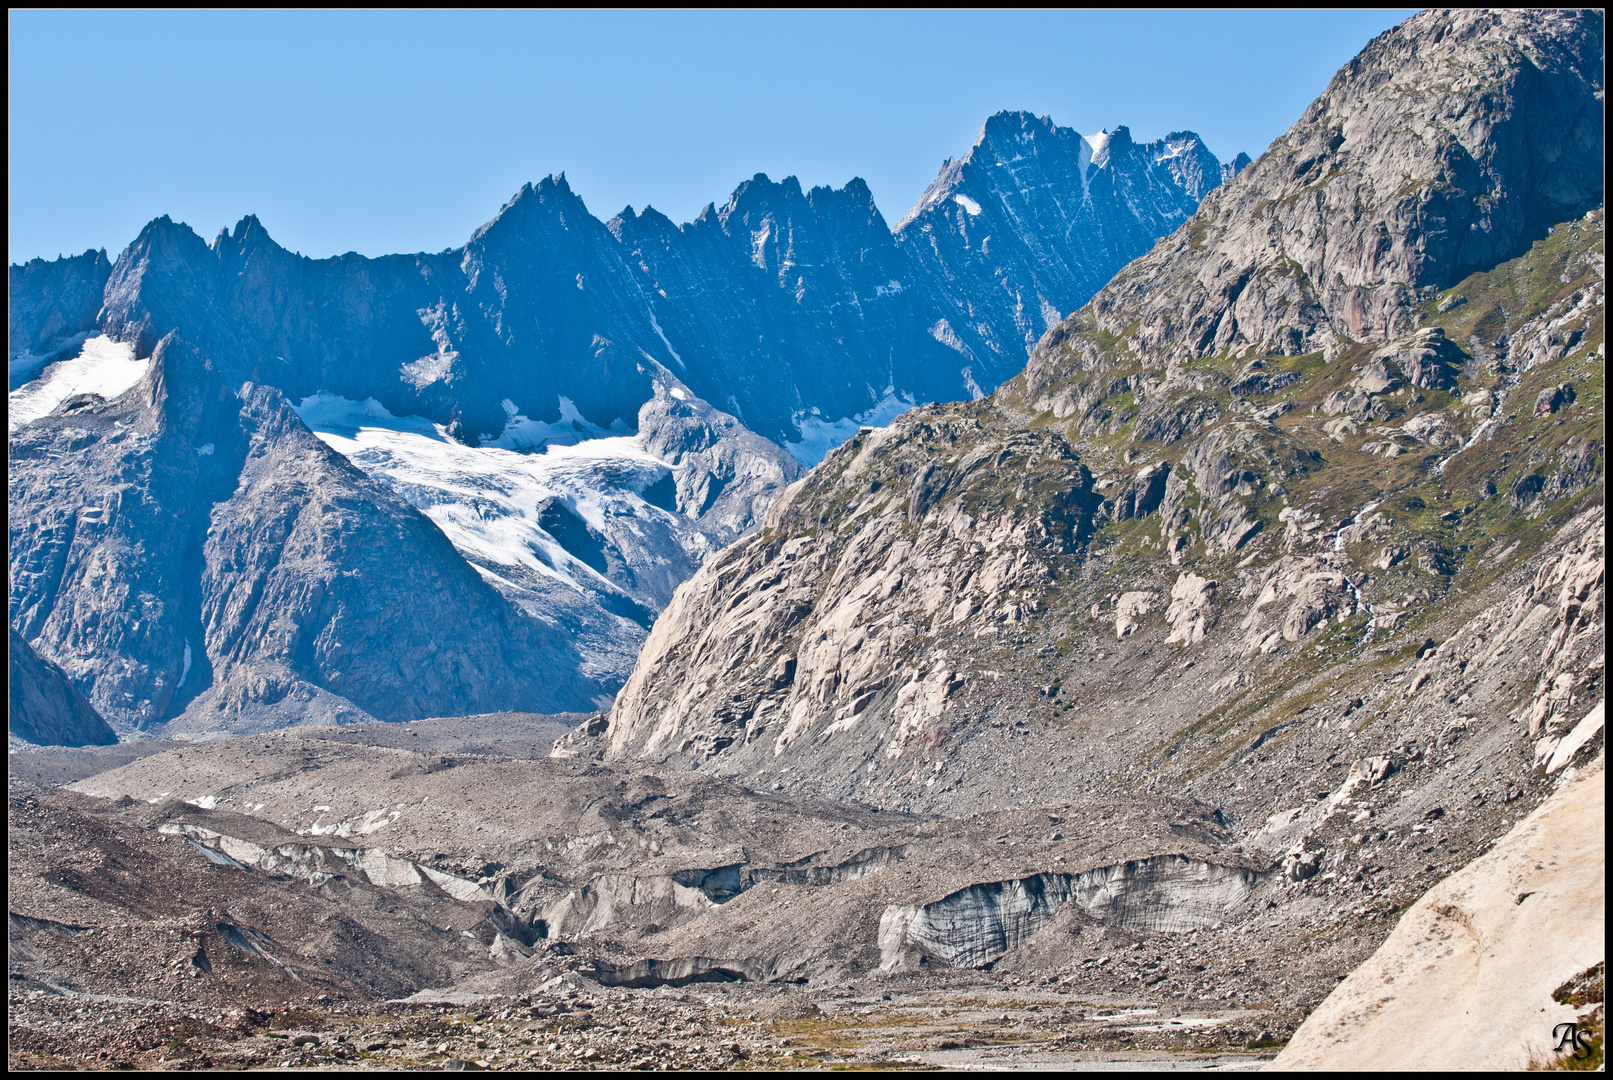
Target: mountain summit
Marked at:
1035, 218
586, 410
1312, 420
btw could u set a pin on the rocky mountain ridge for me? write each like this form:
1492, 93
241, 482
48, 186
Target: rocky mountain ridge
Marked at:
207, 555
817, 298
543, 395
1127, 552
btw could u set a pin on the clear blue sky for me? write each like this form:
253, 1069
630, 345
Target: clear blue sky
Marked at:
384, 132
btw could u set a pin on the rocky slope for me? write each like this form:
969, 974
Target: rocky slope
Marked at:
44, 707
962, 570
354, 858
207, 553
1433, 154
543, 395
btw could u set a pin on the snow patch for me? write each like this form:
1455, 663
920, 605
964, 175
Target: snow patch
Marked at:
423, 372
522, 433
1099, 147
103, 367
942, 331
662, 335
758, 244
485, 499
25, 367
967, 203
819, 436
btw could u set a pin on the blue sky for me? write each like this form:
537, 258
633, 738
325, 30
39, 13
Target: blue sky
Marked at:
405, 131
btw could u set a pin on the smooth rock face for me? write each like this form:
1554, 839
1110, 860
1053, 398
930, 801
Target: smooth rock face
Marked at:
889, 542
317, 579
45, 708
1466, 980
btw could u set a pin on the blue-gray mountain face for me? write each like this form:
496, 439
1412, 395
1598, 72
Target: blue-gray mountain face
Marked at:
1035, 219
586, 410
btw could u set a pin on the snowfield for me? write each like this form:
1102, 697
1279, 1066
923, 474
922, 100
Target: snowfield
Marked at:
103, 367
488, 500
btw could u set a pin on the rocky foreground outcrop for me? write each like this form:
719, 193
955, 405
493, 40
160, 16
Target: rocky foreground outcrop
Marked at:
1470, 977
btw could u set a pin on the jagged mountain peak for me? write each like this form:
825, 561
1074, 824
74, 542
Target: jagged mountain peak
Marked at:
1343, 226
162, 233
1017, 150
795, 311
1182, 541
760, 196
1042, 216
52, 302
550, 197
629, 227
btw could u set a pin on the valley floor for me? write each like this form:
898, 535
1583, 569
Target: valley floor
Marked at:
573, 1024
